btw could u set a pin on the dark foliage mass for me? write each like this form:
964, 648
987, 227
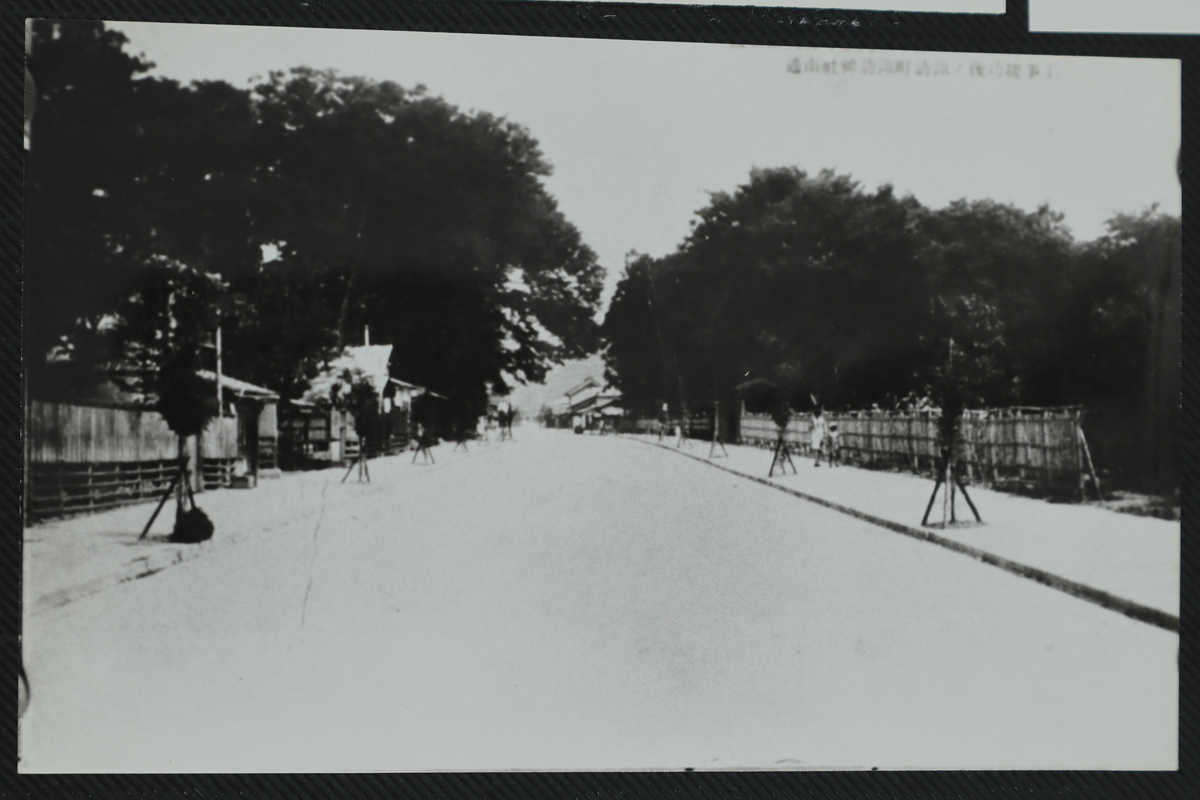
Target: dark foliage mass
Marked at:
294, 214
850, 298
185, 400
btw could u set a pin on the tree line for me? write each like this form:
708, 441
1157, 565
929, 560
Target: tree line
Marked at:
292, 213
852, 298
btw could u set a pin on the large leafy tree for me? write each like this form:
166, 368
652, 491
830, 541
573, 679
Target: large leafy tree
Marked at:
292, 215
429, 225
636, 360
1120, 339
136, 204
80, 168
811, 284
996, 278
805, 281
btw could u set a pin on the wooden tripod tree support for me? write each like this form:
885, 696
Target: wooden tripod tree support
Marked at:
681, 438
783, 456
716, 440
179, 482
423, 448
947, 477
361, 463
712, 448
1087, 459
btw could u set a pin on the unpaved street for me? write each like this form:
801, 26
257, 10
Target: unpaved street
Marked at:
582, 602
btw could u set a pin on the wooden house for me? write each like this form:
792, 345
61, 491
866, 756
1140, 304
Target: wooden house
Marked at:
593, 405
256, 411
318, 428
112, 447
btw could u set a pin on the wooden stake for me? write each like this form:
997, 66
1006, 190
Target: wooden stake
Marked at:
945, 494
166, 496
953, 483
1087, 454
967, 497
932, 497
782, 457
716, 438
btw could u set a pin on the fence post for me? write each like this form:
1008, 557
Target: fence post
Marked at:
1078, 460
200, 455
1044, 450
1021, 437
971, 454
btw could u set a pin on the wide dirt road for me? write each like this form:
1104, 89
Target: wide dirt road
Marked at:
576, 602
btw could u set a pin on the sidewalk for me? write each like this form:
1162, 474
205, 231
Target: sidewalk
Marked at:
72, 557
65, 559
1121, 561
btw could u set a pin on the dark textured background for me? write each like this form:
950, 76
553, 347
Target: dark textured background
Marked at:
794, 27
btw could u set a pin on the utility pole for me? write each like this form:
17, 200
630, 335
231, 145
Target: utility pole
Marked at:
219, 408
27, 412
652, 299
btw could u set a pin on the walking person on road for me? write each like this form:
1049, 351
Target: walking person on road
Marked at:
818, 435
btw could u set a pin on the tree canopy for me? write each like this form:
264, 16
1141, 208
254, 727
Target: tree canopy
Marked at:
295, 213
850, 298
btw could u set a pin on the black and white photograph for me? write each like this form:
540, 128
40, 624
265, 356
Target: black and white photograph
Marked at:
402, 401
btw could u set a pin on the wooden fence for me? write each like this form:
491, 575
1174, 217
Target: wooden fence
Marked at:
1034, 447
699, 425
219, 450
90, 458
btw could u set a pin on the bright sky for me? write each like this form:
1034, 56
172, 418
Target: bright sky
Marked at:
640, 132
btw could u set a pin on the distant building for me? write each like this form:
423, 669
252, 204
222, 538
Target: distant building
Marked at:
590, 403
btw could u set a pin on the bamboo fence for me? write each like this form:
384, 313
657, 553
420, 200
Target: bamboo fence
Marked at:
91, 458
1033, 447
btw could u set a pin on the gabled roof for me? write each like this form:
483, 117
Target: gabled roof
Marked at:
586, 383
595, 403
607, 395
371, 361
240, 388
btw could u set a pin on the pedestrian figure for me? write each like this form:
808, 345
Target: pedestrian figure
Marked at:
818, 435
833, 445
505, 414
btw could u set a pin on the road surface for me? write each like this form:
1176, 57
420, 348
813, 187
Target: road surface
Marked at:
580, 602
